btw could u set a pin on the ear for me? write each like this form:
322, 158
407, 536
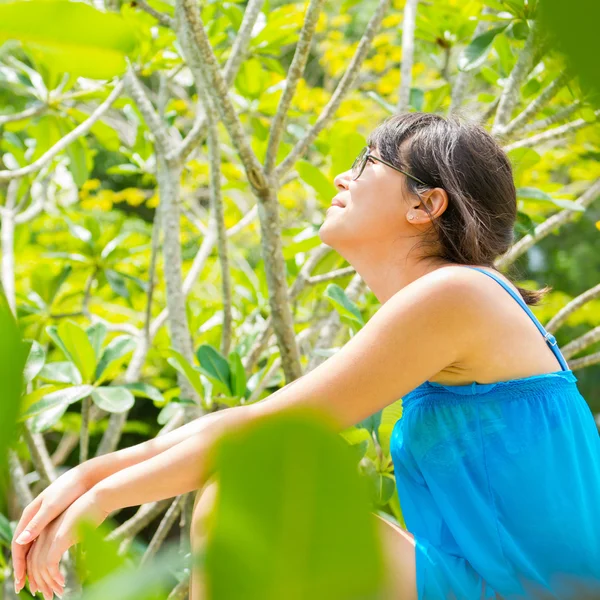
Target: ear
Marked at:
436, 201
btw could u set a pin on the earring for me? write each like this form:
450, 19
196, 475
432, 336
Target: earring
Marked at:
411, 216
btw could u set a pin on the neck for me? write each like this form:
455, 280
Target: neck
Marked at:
385, 274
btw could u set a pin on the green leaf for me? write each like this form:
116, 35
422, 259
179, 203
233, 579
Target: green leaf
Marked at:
316, 179
476, 52
79, 349
72, 37
522, 159
48, 418
78, 155
166, 413
292, 514
391, 413
65, 396
215, 366
117, 283
5, 531
13, 356
35, 361
180, 364
304, 245
113, 399
61, 372
144, 390
238, 375
535, 194
345, 307
97, 334
116, 349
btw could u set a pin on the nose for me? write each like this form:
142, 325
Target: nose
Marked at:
342, 181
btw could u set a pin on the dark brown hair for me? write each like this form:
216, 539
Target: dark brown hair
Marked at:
465, 160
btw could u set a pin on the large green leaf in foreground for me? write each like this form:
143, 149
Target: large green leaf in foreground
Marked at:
292, 516
71, 37
13, 355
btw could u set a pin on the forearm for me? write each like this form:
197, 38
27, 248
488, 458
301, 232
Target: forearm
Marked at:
182, 468
96, 469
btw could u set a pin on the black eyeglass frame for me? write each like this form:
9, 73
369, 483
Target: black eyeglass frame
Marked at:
365, 155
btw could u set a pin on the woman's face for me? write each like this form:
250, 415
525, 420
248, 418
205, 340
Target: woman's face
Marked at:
374, 208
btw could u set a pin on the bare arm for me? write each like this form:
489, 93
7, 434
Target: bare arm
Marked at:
416, 334
98, 468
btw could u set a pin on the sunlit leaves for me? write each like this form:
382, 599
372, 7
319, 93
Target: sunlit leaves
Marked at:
78, 348
116, 349
475, 54
113, 399
71, 36
347, 310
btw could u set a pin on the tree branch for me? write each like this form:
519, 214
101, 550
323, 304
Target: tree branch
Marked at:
26, 114
188, 14
581, 343
461, 83
511, 92
545, 228
536, 104
163, 529
295, 73
156, 126
585, 361
560, 115
341, 90
80, 130
162, 18
563, 314
408, 48
240, 47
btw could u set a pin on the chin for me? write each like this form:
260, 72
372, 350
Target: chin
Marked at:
331, 236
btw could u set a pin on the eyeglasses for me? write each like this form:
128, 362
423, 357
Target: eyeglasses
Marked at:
361, 160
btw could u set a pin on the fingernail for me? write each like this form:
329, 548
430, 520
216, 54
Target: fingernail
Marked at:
25, 537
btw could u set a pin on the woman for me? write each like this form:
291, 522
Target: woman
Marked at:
496, 455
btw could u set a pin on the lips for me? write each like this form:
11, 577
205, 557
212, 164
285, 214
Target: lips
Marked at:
337, 202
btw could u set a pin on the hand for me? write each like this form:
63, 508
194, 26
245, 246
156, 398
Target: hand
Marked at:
44, 557
41, 511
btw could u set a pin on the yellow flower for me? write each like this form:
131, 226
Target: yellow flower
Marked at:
391, 21
153, 201
395, 54
382, 39
379, 62
321, 23
230, 171
179, 105
90, 184
341, 20
598, 225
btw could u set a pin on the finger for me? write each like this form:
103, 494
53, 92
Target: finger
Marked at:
26, 516
49, 562
19, 551
39, 560
36, 524
33, 570
19, 557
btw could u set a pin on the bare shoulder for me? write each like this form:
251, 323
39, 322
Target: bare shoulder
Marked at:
419, 332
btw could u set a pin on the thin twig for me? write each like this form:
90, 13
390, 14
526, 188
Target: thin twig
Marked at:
76, 133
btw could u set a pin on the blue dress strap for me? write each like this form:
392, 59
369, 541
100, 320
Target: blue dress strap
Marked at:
550, 339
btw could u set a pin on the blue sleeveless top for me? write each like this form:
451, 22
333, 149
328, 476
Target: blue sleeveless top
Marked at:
500, 485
